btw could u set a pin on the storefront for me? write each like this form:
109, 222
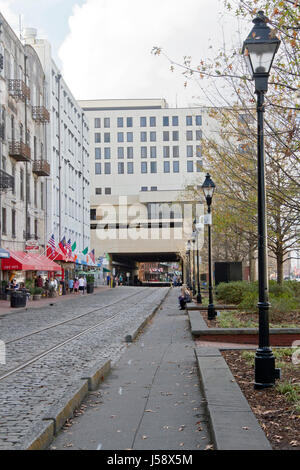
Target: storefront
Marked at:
24, 266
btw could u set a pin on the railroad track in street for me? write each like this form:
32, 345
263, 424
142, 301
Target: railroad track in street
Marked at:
74, 337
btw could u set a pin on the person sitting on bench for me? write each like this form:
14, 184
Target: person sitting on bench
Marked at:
184, 297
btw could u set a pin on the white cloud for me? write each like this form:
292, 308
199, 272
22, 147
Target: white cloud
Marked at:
107, 53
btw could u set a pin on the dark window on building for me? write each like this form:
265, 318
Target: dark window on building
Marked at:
130, 168
13, 223
152, 121
198, 120
153, 167
120, 168
3, 220
166, 166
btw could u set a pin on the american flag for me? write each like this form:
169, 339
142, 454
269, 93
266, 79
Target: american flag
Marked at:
51, 242
92, 255
68, 247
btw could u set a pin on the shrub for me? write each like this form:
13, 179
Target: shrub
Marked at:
37, 291
249, 301
232, 292
90, 279
279, 290
283, 298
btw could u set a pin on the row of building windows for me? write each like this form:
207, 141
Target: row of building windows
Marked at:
144, 137
150, 167
149, 151
151, 121
13, 219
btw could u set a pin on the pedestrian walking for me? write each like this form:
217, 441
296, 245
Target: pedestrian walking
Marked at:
39, 281
76, 285
81, 285
71, 285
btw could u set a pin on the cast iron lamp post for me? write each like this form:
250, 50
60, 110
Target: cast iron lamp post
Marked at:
188, 268
199, 297
194, 264
259, 49
208, 190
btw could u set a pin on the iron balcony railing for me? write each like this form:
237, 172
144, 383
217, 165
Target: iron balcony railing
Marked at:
6, 181
41, 168
18, 89
40, 114
19, 151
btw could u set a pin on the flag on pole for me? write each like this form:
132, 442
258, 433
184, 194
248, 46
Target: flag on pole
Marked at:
92, 255
51, 242
68, 247
85, 251
73, 247
62, 244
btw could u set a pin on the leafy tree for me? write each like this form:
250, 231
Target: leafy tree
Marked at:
231, 156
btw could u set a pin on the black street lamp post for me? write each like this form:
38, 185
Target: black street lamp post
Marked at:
188, 267
194, 263
259, 49
208, 189
199, 297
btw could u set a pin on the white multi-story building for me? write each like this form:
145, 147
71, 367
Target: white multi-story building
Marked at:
68, 186
147, 154
23, 164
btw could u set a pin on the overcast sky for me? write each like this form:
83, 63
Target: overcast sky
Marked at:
103, 47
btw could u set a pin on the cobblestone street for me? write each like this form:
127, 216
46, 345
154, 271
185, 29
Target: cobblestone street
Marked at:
40, 344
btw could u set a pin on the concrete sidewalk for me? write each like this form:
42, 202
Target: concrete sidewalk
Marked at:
152, 398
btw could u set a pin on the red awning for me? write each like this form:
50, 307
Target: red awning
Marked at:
20, 261
46, 264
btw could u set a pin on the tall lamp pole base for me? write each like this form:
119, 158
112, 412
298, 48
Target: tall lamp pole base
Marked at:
211, 313
265, 371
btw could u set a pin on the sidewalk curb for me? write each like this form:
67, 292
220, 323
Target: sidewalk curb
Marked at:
131, 336
44, 432
233, 424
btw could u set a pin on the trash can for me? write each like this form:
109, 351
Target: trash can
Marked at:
90, 288
18, 299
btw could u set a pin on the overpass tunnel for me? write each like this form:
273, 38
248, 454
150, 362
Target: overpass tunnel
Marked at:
148, 269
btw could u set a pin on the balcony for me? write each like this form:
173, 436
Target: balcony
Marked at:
19, 151
41, 168
6, 181
18, 90
40, 114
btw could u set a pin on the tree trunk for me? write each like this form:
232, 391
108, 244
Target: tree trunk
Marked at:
279, 261
251, 262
